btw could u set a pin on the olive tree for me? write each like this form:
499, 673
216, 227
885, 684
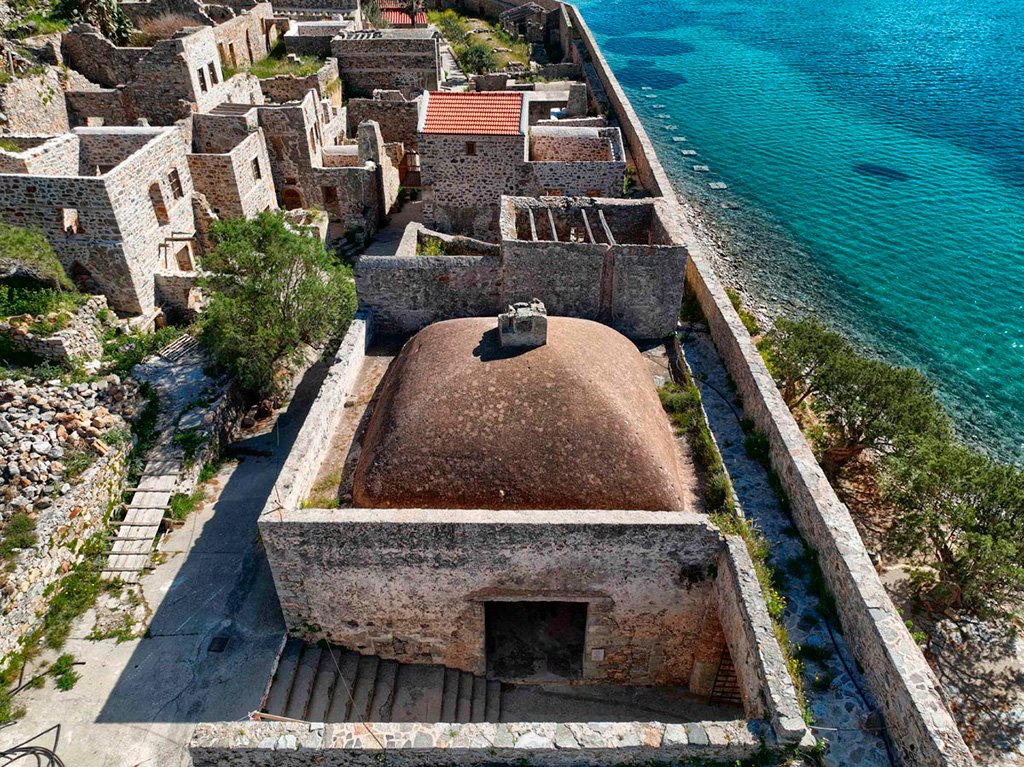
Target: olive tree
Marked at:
271, 289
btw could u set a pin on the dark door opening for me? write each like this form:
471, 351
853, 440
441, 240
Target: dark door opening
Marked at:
535, 641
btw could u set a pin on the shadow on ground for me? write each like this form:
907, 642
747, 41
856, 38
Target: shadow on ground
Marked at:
215, 633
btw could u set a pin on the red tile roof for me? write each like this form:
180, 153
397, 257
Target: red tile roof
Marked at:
470, 113
399, 18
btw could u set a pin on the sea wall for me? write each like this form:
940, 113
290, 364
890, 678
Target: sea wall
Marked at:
899, 678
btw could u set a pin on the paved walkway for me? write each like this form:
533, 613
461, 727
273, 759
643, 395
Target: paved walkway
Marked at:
137, 702
841, 714
385, 242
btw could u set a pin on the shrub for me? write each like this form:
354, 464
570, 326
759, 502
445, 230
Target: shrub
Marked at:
749, 320
106, 15
162, 28
451, 24
477, 59
271, 290
796, 351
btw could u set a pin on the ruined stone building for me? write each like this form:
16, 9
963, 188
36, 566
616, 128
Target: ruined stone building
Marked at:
408, 60
476, 146
115, 204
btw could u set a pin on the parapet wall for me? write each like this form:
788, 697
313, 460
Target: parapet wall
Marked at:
898, 676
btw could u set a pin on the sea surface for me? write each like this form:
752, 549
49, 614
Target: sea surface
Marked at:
873, 152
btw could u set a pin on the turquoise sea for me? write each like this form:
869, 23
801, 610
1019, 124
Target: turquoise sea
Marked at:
874, 157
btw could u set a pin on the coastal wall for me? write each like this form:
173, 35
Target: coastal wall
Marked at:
918, 723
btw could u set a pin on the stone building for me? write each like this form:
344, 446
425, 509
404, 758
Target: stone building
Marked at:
476, 146
168, 82
311, 162
408, 60
231, 168
115, 204
619, 262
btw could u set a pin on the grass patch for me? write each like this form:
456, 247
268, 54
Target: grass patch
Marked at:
278, 63
210, 469
190, 441
183, 504
749, 320
19, 532
432, 246
123, 351
24, 297
77, 462
683, 405
64, 674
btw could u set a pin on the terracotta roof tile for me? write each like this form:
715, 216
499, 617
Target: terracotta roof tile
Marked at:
397, 17
493, 113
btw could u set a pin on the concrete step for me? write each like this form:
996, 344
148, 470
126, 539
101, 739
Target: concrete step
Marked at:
362, 693
493, 709
384, 691
465, 698
302, 687
478, 712
450, 698
344, 688
284, 677
323, 686
418, 692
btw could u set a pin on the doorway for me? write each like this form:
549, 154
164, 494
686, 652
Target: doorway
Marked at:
535, 641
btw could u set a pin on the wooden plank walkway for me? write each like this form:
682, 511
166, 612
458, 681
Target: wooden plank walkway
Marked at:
132, 546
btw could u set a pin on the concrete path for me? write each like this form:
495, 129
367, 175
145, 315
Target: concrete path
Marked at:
841, 713
385, 242
137, 702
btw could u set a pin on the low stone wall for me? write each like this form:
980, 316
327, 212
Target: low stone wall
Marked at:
78, 341
601, 744
61, 530
303, 463
325, 81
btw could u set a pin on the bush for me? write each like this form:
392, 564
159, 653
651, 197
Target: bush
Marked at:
106, 15
477, 59
271, 290
796, 351
749, 320
451, 24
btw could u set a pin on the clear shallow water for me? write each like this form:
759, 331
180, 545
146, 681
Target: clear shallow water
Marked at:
876, 152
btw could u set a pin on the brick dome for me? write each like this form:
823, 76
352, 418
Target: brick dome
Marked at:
573, 424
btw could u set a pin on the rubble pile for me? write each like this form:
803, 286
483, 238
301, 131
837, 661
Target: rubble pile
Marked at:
43, 425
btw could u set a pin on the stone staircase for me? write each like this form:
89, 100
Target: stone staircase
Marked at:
319, 683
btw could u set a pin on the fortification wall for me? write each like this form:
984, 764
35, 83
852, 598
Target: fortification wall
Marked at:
897, 674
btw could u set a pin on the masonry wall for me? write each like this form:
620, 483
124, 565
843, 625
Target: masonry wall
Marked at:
408, 293
229, 180
80, 340
575, 179
62, 531
91, 54
325, 82
247, 38
397, 119
104, 107
461, 192
408, 64
34, 104
411, 584
53, 157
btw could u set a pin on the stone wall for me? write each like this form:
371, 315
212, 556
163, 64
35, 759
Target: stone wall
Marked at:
325, 82
91, 54
368, 61
100, 107
34, 104
177, 294
411, 584
56, 156
397, 119
461, 191
406, 294
62, 531
519, 744
80, 340
238, 183
142, 11
246, 38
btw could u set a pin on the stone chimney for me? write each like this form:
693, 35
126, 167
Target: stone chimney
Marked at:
524, 325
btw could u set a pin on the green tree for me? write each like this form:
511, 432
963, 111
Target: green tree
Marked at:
105, 15
271, 290
477, 59
796, 351
965, 513
869, 404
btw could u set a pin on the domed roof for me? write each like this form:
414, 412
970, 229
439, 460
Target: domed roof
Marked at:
573, 424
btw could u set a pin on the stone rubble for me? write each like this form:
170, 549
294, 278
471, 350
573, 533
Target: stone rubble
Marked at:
43, 423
